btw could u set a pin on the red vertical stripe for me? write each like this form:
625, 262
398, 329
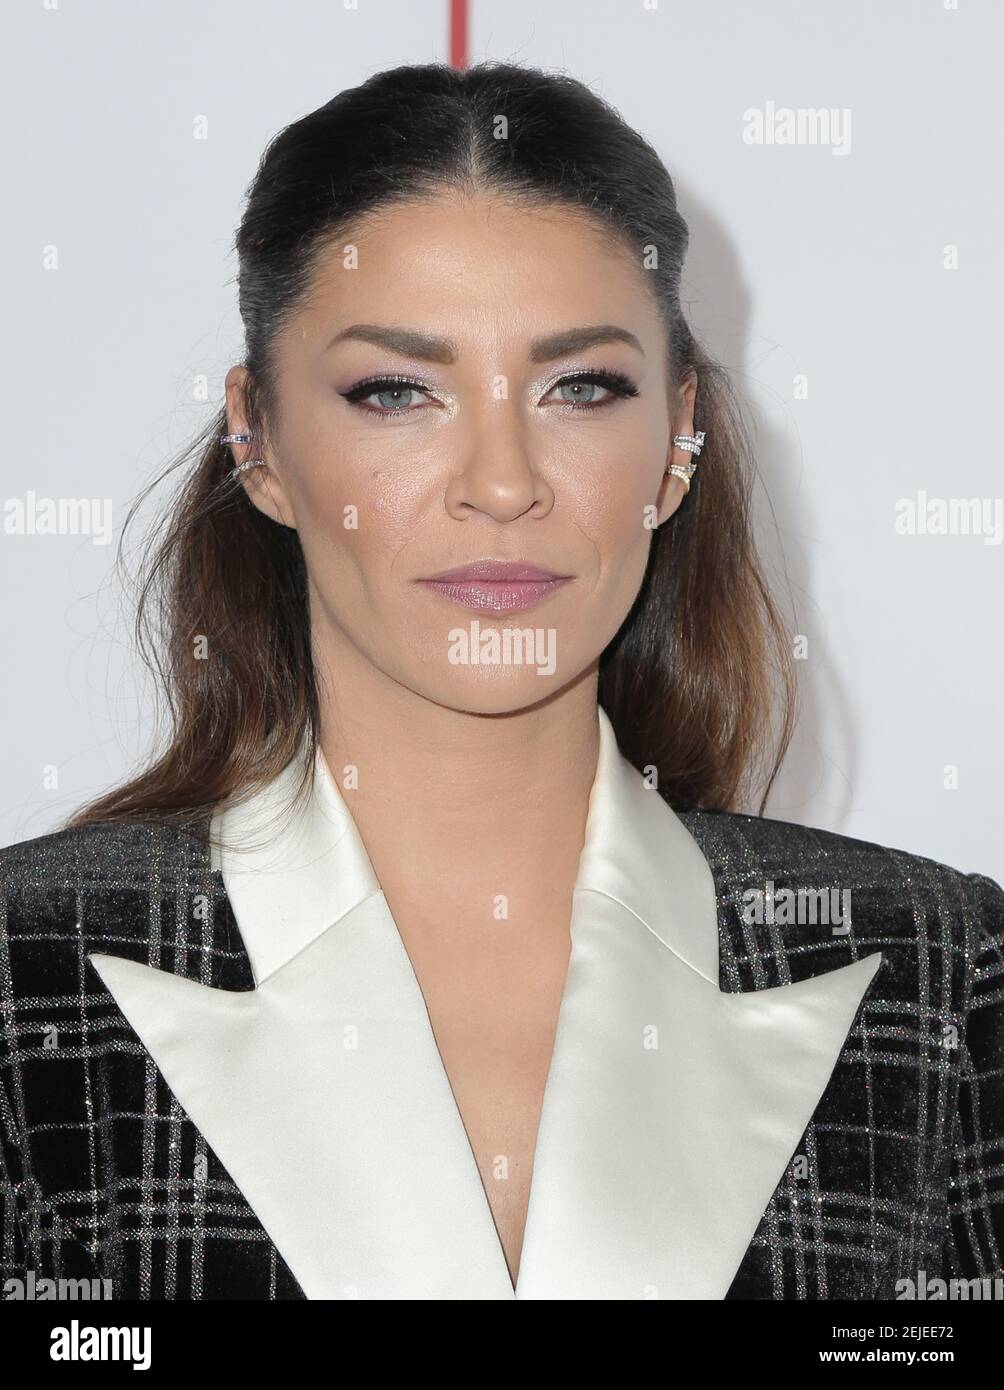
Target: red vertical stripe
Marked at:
458, 33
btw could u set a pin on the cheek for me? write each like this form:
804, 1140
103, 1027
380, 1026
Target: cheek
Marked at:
356, 525
611, 512
343, 494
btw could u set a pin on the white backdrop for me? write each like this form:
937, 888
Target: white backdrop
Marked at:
850, 280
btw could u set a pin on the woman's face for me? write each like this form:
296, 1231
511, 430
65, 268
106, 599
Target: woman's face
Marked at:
530, 424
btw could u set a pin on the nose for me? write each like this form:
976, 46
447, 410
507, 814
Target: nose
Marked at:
496, 475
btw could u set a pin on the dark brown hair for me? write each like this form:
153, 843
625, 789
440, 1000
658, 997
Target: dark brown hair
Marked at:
701, 664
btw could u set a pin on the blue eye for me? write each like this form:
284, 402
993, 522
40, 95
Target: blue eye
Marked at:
393, 393
390, 396
615, 383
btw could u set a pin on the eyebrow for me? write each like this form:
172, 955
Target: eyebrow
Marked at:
427, 348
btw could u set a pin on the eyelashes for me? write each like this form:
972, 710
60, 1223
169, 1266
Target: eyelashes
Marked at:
619, 386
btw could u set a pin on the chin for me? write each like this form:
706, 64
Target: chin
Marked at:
487, 690
501, 693
488, 666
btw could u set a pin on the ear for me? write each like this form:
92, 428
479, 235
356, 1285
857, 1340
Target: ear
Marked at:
672, 490
263, 484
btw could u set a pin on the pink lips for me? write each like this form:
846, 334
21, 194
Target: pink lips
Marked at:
498, 586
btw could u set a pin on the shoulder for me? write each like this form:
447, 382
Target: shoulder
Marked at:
145, 890
108, 847
900, 894
122, 851
95, 877
805, 849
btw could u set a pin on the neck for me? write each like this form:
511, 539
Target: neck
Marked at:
481, 802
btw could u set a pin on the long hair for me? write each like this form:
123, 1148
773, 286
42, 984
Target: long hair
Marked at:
701, 664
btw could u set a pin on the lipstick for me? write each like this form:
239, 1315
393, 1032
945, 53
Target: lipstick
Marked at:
497, 586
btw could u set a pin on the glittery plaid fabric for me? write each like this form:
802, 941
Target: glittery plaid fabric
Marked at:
901, 1169
103, 1175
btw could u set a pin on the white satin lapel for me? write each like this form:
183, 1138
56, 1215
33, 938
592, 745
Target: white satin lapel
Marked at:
322, 1090
324, 1096
670, 1113
672, 1109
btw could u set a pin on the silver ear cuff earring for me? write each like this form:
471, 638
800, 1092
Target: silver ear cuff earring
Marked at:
248, 463
692, 444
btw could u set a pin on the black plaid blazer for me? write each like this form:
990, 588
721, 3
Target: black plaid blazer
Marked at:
901, 1168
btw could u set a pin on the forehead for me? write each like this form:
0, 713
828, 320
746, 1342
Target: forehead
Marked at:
479, 264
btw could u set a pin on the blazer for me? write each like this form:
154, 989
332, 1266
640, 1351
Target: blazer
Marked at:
777, 1072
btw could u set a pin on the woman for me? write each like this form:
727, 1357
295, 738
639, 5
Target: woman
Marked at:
479, 986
